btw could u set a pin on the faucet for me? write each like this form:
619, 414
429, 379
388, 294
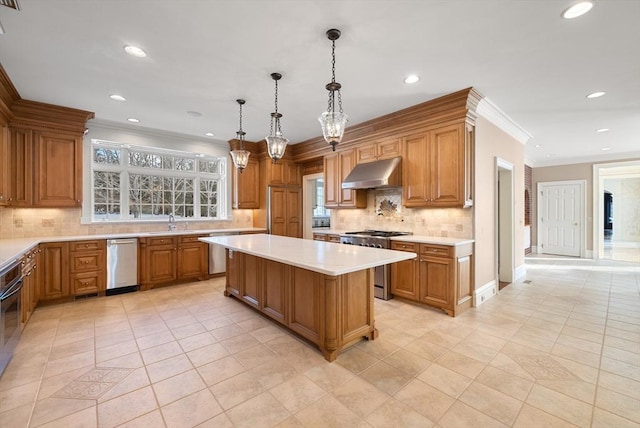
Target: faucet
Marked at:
172, 222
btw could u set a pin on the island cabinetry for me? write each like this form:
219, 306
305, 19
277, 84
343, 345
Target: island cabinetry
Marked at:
336, 168
170, 259
88, 261
246, 186
437, 167
55, 271
330, 311
404, 274
384, 149
30, 293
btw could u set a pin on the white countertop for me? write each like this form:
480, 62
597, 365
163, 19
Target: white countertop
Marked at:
13, 249
324, 257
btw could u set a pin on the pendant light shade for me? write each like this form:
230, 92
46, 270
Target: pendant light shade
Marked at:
240, 157
333, 122
276, 142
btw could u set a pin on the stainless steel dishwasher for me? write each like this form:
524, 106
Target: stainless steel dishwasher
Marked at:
217, 261
122, 265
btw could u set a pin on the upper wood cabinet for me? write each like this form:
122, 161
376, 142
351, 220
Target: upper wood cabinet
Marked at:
437, 167
336, 168
58, 167
21, 168
283, 173
384, 149
4, 165
246, 186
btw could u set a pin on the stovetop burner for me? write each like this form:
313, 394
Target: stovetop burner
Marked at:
380, 233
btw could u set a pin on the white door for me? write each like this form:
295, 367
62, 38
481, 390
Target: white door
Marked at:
560, 214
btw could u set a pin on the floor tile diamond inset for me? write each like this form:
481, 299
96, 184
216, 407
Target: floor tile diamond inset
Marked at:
542, 367
93, 384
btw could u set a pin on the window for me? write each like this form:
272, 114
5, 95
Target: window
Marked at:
130, 183
319, 209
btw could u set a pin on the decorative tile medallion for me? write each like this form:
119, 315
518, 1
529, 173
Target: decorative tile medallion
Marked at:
93, 384
544, 368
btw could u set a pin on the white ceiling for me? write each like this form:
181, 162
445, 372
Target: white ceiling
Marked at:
203, 54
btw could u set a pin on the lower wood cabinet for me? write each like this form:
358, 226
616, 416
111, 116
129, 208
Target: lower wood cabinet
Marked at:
441, 276
88, 266
30, 293
55, 271
169, 259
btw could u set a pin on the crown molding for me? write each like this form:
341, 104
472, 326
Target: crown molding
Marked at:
495, 115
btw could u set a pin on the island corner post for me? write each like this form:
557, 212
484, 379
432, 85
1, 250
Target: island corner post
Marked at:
331, 311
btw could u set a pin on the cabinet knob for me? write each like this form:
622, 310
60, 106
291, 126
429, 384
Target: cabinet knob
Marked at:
86, 245
161, 241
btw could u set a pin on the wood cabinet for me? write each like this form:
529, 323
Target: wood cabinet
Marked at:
319, 236
336, 168
330, 311
329, 237
384, 149
283, 173
5, 165
55, 271
437, 167
285, 211
45, 169
246, 186
333, 238
169, 259
88, 267
440, 277
30, 294
404, 274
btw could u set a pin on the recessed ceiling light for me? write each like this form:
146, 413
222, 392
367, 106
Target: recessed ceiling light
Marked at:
596, 94
604, 149
209, 134
194, 113
538, 146
133, 120
412, 78
602, 130
549, 155
135, 51
117, 97
577, 9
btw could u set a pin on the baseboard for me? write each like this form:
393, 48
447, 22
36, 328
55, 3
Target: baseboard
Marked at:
484, 293
521, 272
534, 249
588, 254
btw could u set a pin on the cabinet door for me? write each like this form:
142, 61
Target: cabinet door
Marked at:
332, 180
246, 186
278, 210
446, 167
404, 274
5, 165
366, 153
415, 188
234, 275
348, 197
21, 168
162, 263
304, 303
389, 148
251, 270
436, 281
190, 260
294, 212
294, 175
274, 290
55, 272
58, 166
87, 283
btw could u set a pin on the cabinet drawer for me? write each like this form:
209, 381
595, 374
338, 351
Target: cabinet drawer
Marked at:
85, 283
319, 237
161, 240
405, 246
87, 245
87, 261
437, 250
333, 238
190, 238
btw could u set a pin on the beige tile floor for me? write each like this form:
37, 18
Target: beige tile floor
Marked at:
559, 349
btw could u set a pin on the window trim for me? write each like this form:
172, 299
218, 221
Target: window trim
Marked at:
223, 177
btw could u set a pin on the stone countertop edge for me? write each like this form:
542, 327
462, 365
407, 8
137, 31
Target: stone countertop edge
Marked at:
327, 258
13, 249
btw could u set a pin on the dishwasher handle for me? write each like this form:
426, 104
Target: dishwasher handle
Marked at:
111, 242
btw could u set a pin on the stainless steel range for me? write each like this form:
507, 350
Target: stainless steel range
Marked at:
375, 239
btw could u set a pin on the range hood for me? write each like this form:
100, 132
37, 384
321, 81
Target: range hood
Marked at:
372, 175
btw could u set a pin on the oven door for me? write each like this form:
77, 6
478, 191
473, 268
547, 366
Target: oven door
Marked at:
10, 325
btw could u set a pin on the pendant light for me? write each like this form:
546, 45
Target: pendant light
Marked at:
276, 142
333, 123
240, 157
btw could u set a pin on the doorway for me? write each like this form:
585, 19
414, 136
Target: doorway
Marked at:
309, 198
505, 223
561, 218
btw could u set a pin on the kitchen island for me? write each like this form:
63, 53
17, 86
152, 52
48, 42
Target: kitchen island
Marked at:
320, 290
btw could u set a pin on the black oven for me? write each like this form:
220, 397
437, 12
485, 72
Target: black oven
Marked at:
10, 312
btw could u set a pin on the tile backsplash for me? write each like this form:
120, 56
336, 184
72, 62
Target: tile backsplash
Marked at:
36, 222
385, 212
